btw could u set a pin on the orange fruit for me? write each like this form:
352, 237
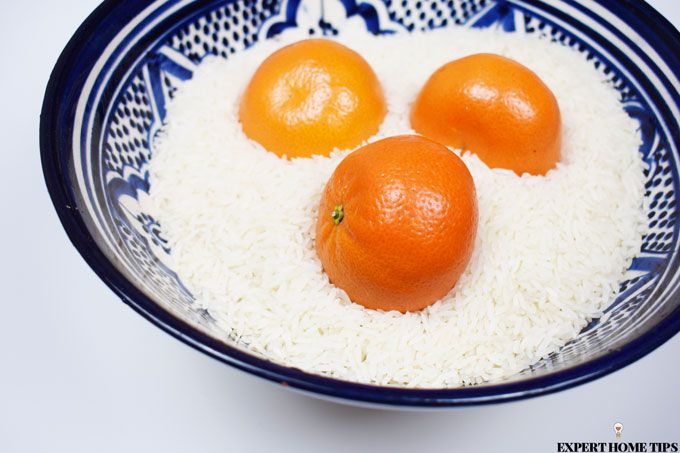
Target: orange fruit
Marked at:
397, 222
311, 97
494, 107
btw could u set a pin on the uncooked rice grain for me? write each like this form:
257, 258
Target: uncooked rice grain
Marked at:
549, 255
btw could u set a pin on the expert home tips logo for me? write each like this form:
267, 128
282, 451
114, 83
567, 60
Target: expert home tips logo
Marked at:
618, 427
618, 446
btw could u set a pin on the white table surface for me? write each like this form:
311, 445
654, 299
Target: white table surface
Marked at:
81, 372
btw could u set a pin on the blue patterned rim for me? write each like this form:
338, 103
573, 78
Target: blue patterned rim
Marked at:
57, 117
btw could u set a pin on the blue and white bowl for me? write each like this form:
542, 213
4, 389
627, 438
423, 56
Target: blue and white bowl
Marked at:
107, 98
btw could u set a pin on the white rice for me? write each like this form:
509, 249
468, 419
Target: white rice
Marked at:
549, 255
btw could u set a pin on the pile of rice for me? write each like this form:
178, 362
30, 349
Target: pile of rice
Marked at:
549, 255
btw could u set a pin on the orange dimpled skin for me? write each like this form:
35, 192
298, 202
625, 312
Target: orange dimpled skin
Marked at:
494, 107
311, 97
397, 223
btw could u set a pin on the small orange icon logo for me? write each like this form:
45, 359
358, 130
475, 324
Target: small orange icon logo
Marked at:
618, 427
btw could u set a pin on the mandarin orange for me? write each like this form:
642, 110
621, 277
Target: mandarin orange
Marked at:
494, 107
397, 223
310, 98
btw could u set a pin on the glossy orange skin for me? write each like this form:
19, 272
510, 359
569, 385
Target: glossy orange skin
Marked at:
410, 220
311, 97
494, 107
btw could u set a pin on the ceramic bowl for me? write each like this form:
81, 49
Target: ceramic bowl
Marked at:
107, 100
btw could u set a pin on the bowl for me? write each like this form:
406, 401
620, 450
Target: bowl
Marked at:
106, 101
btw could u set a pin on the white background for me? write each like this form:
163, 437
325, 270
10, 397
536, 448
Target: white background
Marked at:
81, 372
